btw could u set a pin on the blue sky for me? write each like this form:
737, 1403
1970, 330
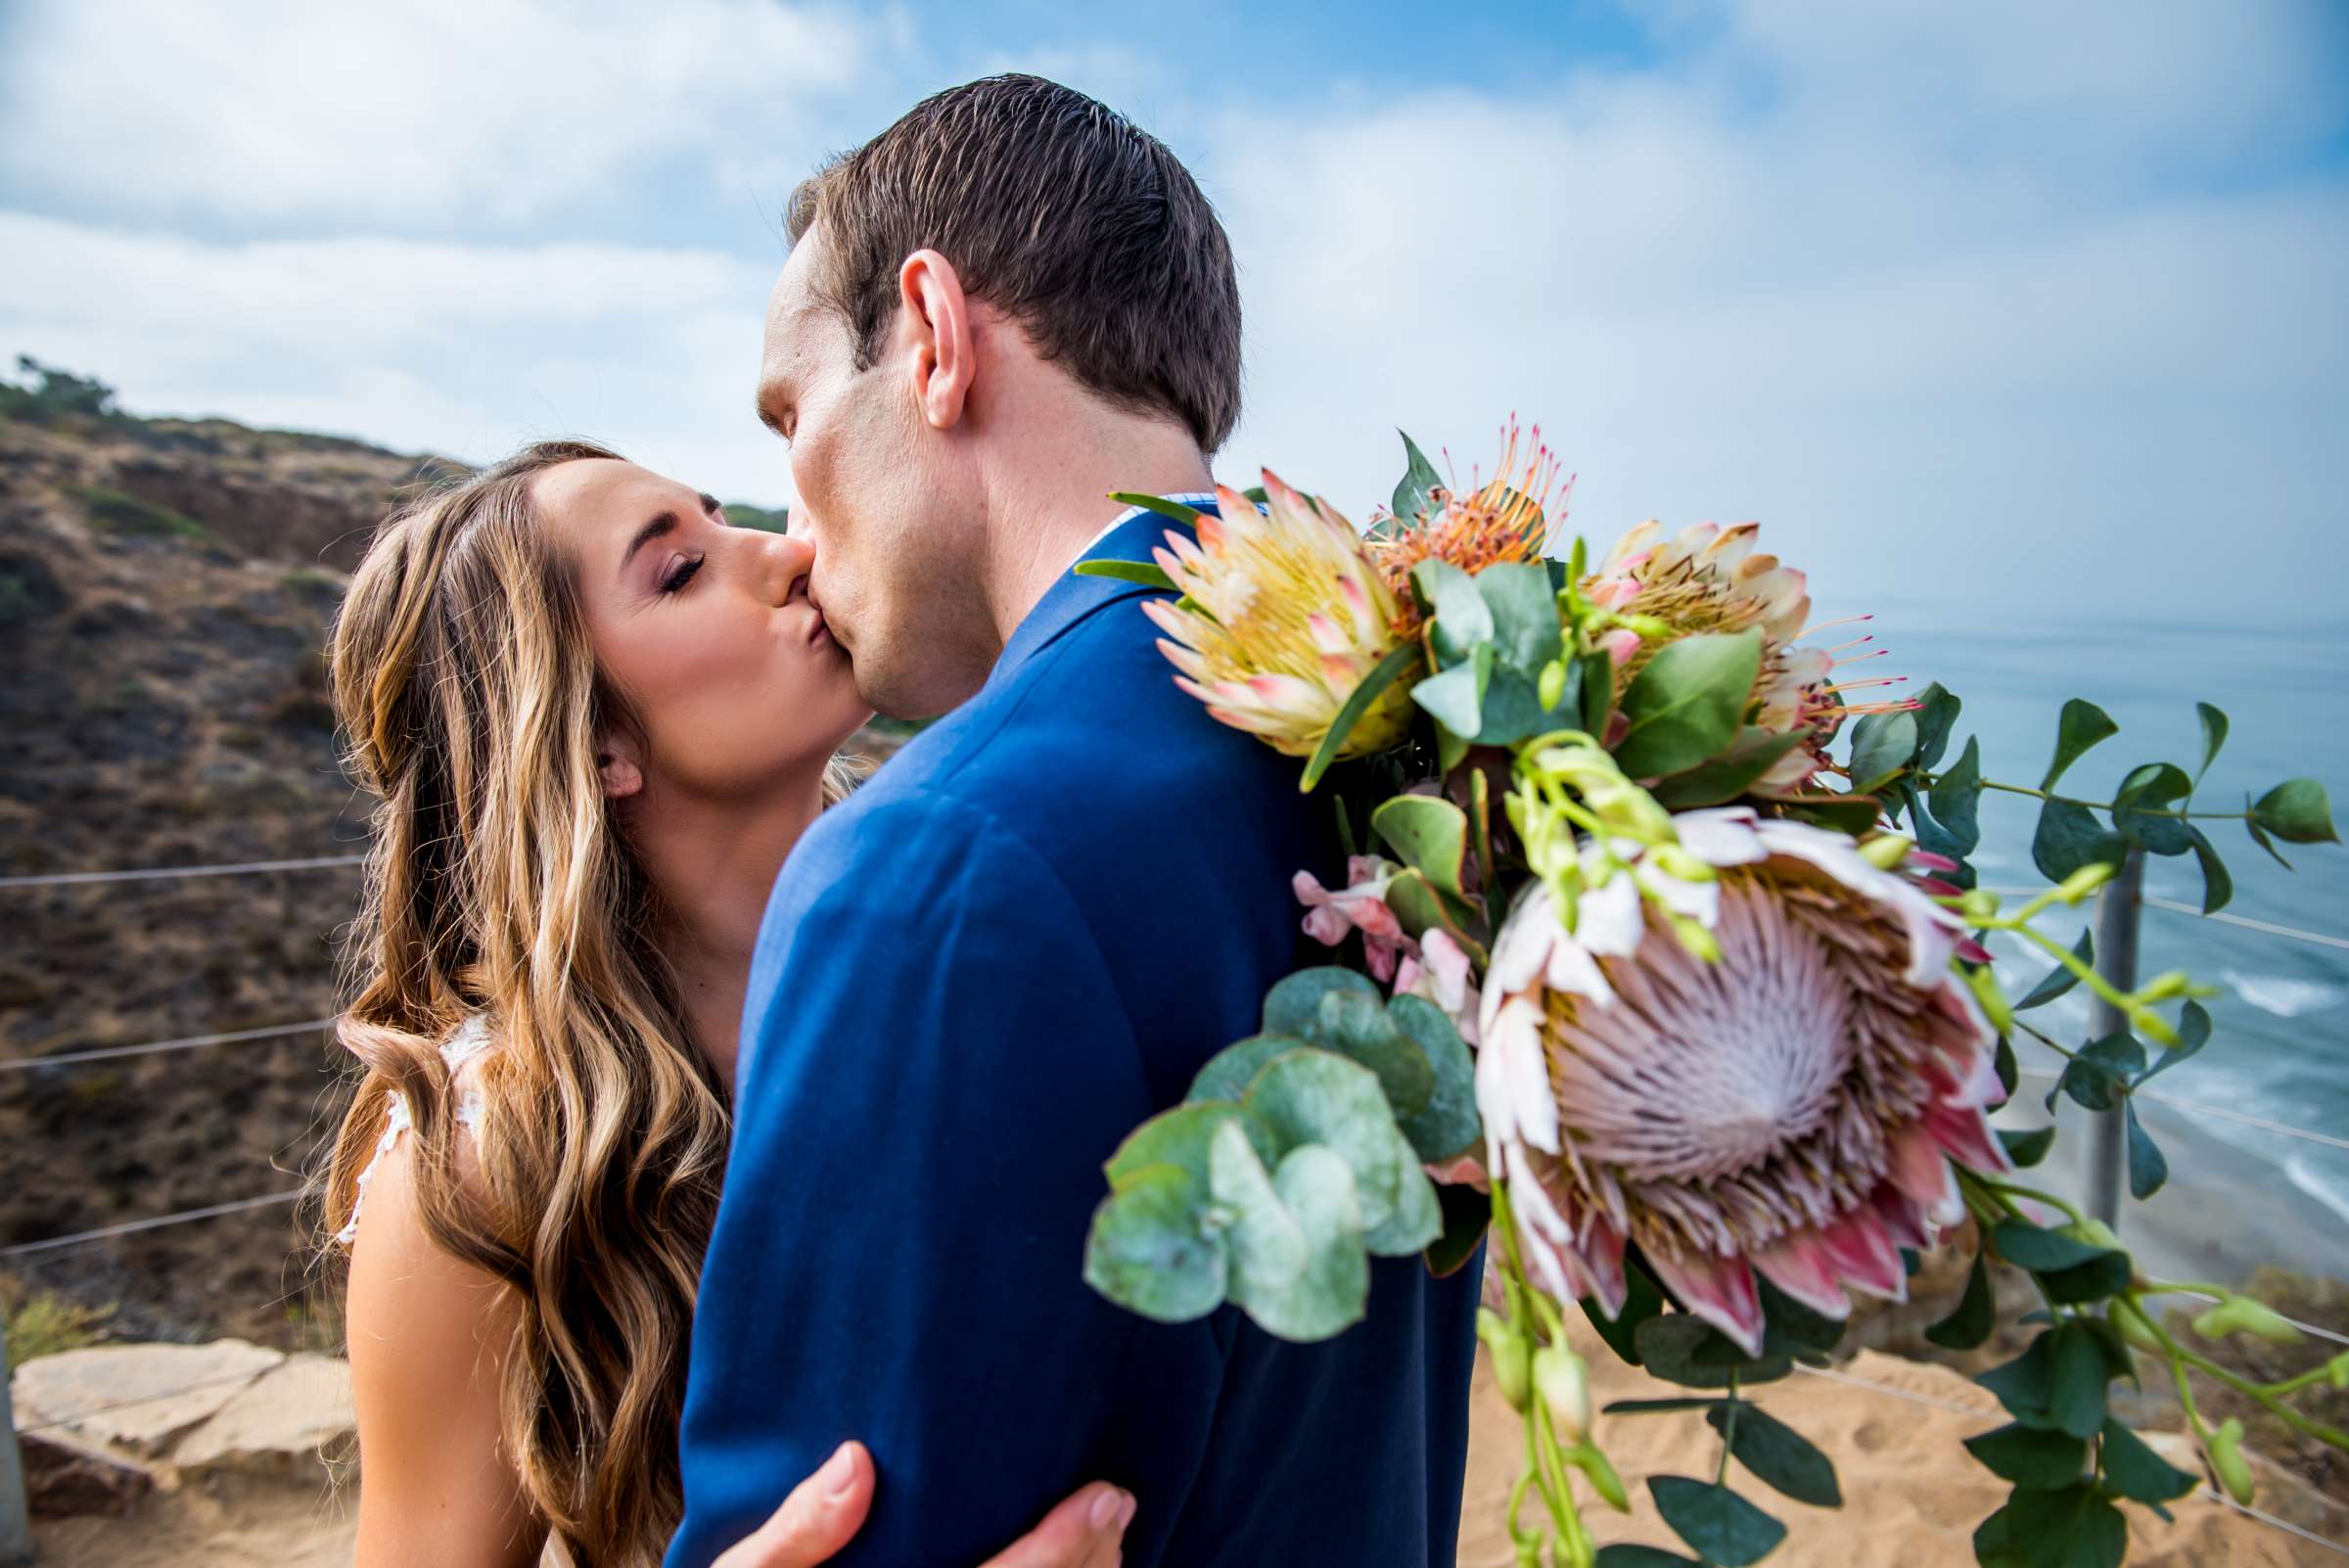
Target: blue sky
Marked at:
2026, 305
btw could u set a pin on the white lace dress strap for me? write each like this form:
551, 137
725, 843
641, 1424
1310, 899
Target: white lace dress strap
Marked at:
459, 1052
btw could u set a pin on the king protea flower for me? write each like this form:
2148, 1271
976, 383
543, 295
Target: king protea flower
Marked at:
1708, 579
1788, 1110
1285, 615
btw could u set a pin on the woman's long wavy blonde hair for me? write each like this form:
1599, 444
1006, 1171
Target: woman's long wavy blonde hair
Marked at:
469, 696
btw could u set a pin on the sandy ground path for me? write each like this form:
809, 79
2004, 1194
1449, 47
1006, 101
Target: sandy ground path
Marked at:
1913, 1496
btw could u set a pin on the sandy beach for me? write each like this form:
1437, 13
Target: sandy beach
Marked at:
1912, 1496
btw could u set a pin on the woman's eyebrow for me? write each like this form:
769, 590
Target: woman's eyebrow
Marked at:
661, 523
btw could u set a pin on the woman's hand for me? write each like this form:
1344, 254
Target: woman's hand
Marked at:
824, 1512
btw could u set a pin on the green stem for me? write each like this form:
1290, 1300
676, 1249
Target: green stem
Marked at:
2181, 1358
1928, 781
2064, 1051
1729, 1433
2013, 1190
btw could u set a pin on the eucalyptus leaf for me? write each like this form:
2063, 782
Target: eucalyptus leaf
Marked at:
1449, 1125
1883, 744
1316, 1097
1721, 1526
1429, 834
1684, 1348
2027, 1150
1779, 1455
2147, 792
2038, 1249
2060, 979
1418, 906
1627, 1554
1688, 703
2076, 1527
2025, 1384
2077, 1381
1357, 1028
1228, 1073
2214, 736
2218, 885
1643, 1302
2298, 811
1726, 776
1971, 1322
1790, 1327
2105, 1275
1524, 612
2260, 838
2082, 724
1956, 795
1178, 1137
1455, 700
1936, 710
1419, 478
1467, 1216
2194, 1033
2133, 1470
1293, 1006
2148, 1167
1267, 1246
2070, 837
1149, 1252
1332, 1293
2037, 1457
1462, 617
1512, 709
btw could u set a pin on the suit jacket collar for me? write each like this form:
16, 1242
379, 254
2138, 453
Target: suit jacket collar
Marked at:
1072, 598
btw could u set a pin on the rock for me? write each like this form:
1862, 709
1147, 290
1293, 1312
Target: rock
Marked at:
138, 1399
287, 1422
62, 1481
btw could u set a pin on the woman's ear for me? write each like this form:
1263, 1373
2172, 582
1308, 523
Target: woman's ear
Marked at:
934, 322
617, 765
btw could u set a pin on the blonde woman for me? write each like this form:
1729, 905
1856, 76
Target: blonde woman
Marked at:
596, 717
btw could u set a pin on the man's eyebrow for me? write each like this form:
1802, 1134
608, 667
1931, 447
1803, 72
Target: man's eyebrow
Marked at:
661, 523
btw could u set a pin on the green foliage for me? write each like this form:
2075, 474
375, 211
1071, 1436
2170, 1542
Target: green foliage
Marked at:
1419, 480
1295, 1158
767, 520
1383, 674
55, 395
1975, 1316
1721, 1526
1688, 703
1779, 1455
47, 1325
112, 510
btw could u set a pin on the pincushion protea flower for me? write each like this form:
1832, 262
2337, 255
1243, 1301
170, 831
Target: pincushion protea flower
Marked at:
1789, 1109
1290, 616
1708, 579
1487, 525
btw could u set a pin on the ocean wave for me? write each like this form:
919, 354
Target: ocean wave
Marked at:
2284, 995
2326, 1188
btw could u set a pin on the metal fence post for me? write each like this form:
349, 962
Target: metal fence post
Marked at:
2116, 960
16, 1519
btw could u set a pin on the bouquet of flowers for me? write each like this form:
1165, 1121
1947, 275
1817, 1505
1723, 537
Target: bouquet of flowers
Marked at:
1687, 1003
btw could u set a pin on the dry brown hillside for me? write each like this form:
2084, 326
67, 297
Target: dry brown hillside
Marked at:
165, 586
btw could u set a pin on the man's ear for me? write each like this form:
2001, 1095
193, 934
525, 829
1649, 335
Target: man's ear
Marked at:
620, 768
934, 317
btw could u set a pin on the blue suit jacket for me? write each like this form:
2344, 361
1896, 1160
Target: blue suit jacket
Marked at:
1019, 939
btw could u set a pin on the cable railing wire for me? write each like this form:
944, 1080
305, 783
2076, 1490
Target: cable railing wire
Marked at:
190, 1043
155, 1223
59, 879
2206, 1108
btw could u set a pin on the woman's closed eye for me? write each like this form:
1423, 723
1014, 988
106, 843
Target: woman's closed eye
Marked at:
681, 575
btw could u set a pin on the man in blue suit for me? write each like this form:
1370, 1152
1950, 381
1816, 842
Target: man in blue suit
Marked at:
1028, 932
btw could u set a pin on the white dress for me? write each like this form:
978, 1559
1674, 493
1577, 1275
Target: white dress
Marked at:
461, 1052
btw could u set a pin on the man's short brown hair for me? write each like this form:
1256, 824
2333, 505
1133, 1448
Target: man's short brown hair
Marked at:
1057, 211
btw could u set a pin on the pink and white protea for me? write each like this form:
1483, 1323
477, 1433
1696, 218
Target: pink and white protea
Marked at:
1361, 906
1789, 1109
1296, 614
1708, 579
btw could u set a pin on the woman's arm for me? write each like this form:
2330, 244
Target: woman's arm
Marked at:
425, 1333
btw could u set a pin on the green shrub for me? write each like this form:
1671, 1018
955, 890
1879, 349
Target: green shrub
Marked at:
127, 514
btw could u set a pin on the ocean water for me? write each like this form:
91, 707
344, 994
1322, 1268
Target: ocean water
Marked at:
2280, 1049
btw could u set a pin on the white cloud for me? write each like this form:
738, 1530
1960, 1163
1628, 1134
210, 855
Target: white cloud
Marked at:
465, 350
1926, 360
405, 117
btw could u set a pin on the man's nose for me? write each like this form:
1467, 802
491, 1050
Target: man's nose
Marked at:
787, 559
